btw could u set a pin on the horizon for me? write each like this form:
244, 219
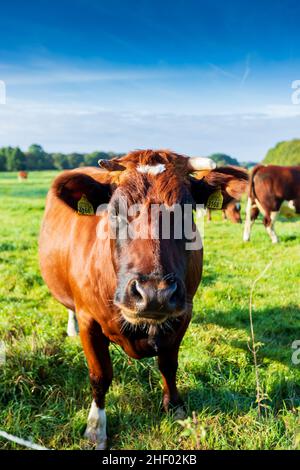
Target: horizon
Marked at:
109, 151
197, 77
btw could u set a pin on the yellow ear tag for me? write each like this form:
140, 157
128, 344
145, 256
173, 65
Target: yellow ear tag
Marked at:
84, 207
215, 200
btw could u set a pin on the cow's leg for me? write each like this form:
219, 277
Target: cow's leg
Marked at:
72, 328
296, 205
168, 364
269, 221
248, 221
95, 346
208, 215
224, 216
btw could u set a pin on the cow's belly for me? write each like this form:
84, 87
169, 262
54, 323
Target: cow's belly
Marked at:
60, 246
54, 276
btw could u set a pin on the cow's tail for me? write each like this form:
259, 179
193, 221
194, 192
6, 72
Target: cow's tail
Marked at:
251, 186
250, 203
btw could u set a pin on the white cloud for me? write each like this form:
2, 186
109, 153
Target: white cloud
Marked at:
64, 127
282, 111
195, 111
46, 73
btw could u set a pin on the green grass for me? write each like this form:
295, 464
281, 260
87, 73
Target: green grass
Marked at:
44, 389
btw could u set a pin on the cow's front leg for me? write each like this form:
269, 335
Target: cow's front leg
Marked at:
168, 364
95, 346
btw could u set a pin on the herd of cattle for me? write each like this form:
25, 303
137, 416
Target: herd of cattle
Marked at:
269, 186
138, 292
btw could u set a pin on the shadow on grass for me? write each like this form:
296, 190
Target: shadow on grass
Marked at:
288, 238
53, 383
275, 327
208, 279
54, 378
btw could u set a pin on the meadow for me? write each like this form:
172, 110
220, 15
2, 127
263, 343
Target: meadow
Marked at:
44, 388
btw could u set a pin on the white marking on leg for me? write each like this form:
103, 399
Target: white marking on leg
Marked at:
291, 205
261, 209
96, 427
72, 328
270, 228
247, 229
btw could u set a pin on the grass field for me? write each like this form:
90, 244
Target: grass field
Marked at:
44, 389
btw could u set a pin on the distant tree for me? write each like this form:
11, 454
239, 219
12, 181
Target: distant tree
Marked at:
248, 165
91, 159
60, 161
6, 151
222, 159
284, 153
47, 162
36, 149
2, 161
38, 159
15, 159
75, 159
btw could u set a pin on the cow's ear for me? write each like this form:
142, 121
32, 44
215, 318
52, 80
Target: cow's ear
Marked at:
230, 180
74, 188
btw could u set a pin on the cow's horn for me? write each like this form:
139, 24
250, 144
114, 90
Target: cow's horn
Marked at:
201, 163
110, 165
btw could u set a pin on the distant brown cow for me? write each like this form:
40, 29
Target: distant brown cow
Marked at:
269, 186
133, 291
22, 175
232, 211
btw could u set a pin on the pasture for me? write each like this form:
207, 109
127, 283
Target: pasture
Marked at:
44, 389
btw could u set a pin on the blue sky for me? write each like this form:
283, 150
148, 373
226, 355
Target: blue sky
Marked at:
194, 76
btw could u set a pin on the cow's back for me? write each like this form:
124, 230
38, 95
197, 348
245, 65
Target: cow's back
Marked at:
282, 182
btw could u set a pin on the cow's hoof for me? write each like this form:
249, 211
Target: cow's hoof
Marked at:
179, 413
102, 445
93, 436
96, 427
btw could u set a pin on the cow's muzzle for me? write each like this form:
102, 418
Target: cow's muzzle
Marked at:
152, 300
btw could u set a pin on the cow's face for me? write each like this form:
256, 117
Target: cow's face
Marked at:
233, 212
151, 196
147, 210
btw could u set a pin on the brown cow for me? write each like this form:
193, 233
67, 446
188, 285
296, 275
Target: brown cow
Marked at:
232, 212
269, 186
133, 291
22, 175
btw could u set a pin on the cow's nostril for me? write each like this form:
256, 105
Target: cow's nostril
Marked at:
173, 295
147, 297
135, 290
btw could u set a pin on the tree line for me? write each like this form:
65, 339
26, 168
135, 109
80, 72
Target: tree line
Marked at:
284, 153
36, 158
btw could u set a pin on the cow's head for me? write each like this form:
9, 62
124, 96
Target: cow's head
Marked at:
142, 189
233, 212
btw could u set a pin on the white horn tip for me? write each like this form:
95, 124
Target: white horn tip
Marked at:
202, 163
